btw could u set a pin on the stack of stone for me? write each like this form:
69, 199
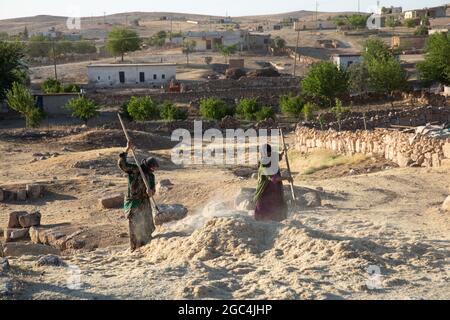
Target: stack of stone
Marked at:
19, 225
32, 191
398, 147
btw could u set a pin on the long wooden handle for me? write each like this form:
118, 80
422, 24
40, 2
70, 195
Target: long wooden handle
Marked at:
144, 178
287, 164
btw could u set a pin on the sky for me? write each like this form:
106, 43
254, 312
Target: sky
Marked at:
87, 8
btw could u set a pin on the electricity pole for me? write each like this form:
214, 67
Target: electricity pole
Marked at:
54, 58
296, 49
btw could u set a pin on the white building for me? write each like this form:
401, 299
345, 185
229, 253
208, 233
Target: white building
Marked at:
345, 60
110, 75
209, 40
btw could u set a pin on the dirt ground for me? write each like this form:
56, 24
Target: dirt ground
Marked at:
379, 233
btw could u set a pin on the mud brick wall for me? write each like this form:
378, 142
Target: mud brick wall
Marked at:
395, 146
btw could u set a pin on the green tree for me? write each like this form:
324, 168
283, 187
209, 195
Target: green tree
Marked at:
84, 47
51, 86
357, 78
278, 43
392, 22
20, 99
410, 23
264, 113
325, 82
158, 39
171, 112
376, 49
436, 66
12, 66
339, 111
308, 110
421, 31
122, 40
357, 21
214, 108
83, 108
143, 109
227, 51
188, 47
208, 60
291, 105
247, 108
387, 76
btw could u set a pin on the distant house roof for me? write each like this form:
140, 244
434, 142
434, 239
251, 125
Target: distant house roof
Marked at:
122, 65
347, 55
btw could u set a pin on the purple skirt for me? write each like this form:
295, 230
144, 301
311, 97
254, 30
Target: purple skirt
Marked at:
271, 205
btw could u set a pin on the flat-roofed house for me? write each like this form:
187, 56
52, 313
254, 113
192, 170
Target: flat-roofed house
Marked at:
141, 74
345, 60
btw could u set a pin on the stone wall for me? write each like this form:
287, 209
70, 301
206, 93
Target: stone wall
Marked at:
398, 147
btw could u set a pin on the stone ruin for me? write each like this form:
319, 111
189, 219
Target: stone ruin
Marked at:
30, 192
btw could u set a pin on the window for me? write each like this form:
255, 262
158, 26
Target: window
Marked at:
122, 77
142, 76
163, 76
98, 78
155, 76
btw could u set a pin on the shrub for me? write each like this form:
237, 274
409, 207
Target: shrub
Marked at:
71, 88
215, 108
51, 86
265, 113
308, 110
170, 112
143, 109
20, 99
247, 108
290, 105
83, 108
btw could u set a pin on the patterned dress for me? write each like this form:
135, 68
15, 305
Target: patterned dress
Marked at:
137, 205
269, 198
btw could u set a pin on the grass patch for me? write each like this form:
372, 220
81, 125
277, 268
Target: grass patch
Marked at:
321, 160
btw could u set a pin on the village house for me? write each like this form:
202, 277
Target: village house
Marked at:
345, 60
376, 22
143, 74
436, 12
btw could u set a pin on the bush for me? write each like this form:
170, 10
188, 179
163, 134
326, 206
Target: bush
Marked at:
308, 110
143, 109
291, 106
71, 88
215, 108
170, 112
20, 99
83, 108
51, 86
265, 113
247, 108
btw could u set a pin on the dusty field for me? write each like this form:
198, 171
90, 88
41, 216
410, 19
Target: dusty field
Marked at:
375, 216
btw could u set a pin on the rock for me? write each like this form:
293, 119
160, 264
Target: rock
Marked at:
446, 150
164, 186
14, 216
4, 266
30, 220
244, 172
35, 191
16, 249
446, 204
235, 73
112, 202
255, 176
16, 234
2, 233
75, 244
6, 287
2, 195
244, 198
312, 199
246, 205
169, 213
50, 260
229, 122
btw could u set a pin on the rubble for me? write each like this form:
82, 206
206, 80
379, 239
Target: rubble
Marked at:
16, 234
50, 260
244, 199
312, 199
164, 186
13, 221
170, 213
112, 202
17, 249
4, 266
30, 220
